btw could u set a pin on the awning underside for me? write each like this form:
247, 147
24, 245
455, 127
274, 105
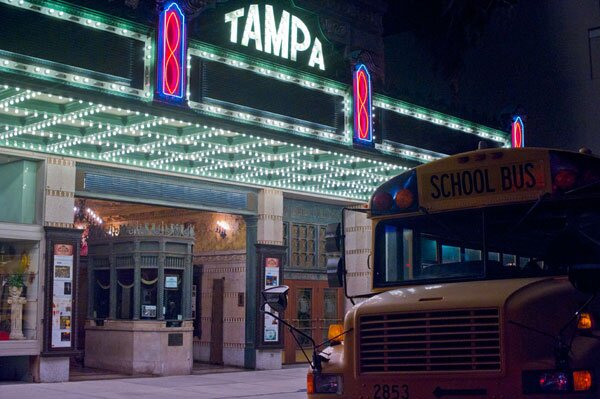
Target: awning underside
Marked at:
52, 124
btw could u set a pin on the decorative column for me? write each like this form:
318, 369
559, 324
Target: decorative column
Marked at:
270, 217
112, 310
60, 192
251, 299
58, 214
16, 302
137, 280
188, 276
160, 295
269, 246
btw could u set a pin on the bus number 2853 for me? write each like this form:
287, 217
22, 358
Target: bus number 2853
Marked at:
387, 391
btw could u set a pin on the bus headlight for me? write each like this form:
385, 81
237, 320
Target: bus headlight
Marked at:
548, 381
324, 383
554, 381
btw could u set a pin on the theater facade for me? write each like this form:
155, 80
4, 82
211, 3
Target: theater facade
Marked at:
161, 165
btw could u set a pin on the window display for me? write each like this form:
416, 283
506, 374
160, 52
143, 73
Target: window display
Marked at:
17, 277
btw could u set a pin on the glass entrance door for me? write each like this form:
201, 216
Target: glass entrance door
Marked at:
312, 308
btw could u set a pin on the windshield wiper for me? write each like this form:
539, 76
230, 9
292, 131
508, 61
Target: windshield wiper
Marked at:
581, 188
535, 205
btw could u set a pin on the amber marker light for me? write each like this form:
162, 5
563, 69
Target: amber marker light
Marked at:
582, 380
585, 321
335, 335
310, 383
404, 198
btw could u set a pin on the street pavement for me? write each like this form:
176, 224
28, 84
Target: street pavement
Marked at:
289, 383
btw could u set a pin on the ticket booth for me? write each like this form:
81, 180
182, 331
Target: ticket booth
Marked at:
140, 306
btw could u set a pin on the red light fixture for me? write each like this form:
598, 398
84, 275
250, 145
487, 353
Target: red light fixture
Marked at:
404, 198
363, 121
565, 179
171, 73
382, 201
518, 133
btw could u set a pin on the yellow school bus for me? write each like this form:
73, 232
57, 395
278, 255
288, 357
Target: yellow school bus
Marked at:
471, 262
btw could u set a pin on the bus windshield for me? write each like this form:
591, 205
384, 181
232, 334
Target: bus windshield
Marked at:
512, 241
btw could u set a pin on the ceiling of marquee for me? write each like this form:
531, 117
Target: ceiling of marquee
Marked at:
122, 212
52, 124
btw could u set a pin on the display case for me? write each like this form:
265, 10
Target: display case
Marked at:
18, 286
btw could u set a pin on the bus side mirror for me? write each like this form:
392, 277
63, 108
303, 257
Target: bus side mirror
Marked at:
334, 247
276, 297
585, 277
335, 271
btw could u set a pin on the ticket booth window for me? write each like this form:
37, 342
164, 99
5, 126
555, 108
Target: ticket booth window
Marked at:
101, 293
149, 292
173, 296
125, 294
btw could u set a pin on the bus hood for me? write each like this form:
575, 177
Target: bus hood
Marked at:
460, 295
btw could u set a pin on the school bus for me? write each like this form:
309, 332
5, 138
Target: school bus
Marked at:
471, 298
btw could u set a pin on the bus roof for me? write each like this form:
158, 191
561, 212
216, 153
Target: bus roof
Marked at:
487, 178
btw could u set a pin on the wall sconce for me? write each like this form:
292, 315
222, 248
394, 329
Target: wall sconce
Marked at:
222, 228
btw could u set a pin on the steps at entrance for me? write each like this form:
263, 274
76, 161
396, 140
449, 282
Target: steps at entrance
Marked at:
78, 373
205, 368
90, 374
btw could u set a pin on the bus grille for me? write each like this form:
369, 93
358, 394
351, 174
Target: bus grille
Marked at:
440, 341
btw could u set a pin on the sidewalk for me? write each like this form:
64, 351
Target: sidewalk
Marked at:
272, 384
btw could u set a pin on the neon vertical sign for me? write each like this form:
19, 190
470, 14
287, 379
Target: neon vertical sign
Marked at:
363, 121
517, 134
171, 74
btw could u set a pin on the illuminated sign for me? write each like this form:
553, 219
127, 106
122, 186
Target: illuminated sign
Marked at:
286, 39
171, 74
517, 134
363, 121
509, 178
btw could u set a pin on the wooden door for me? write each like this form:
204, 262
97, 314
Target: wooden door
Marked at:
216, 326
312, 307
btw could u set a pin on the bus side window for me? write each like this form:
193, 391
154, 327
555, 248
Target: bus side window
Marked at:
428, 252
450, 254
472, 254
523, 261
494, 256
509, 260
